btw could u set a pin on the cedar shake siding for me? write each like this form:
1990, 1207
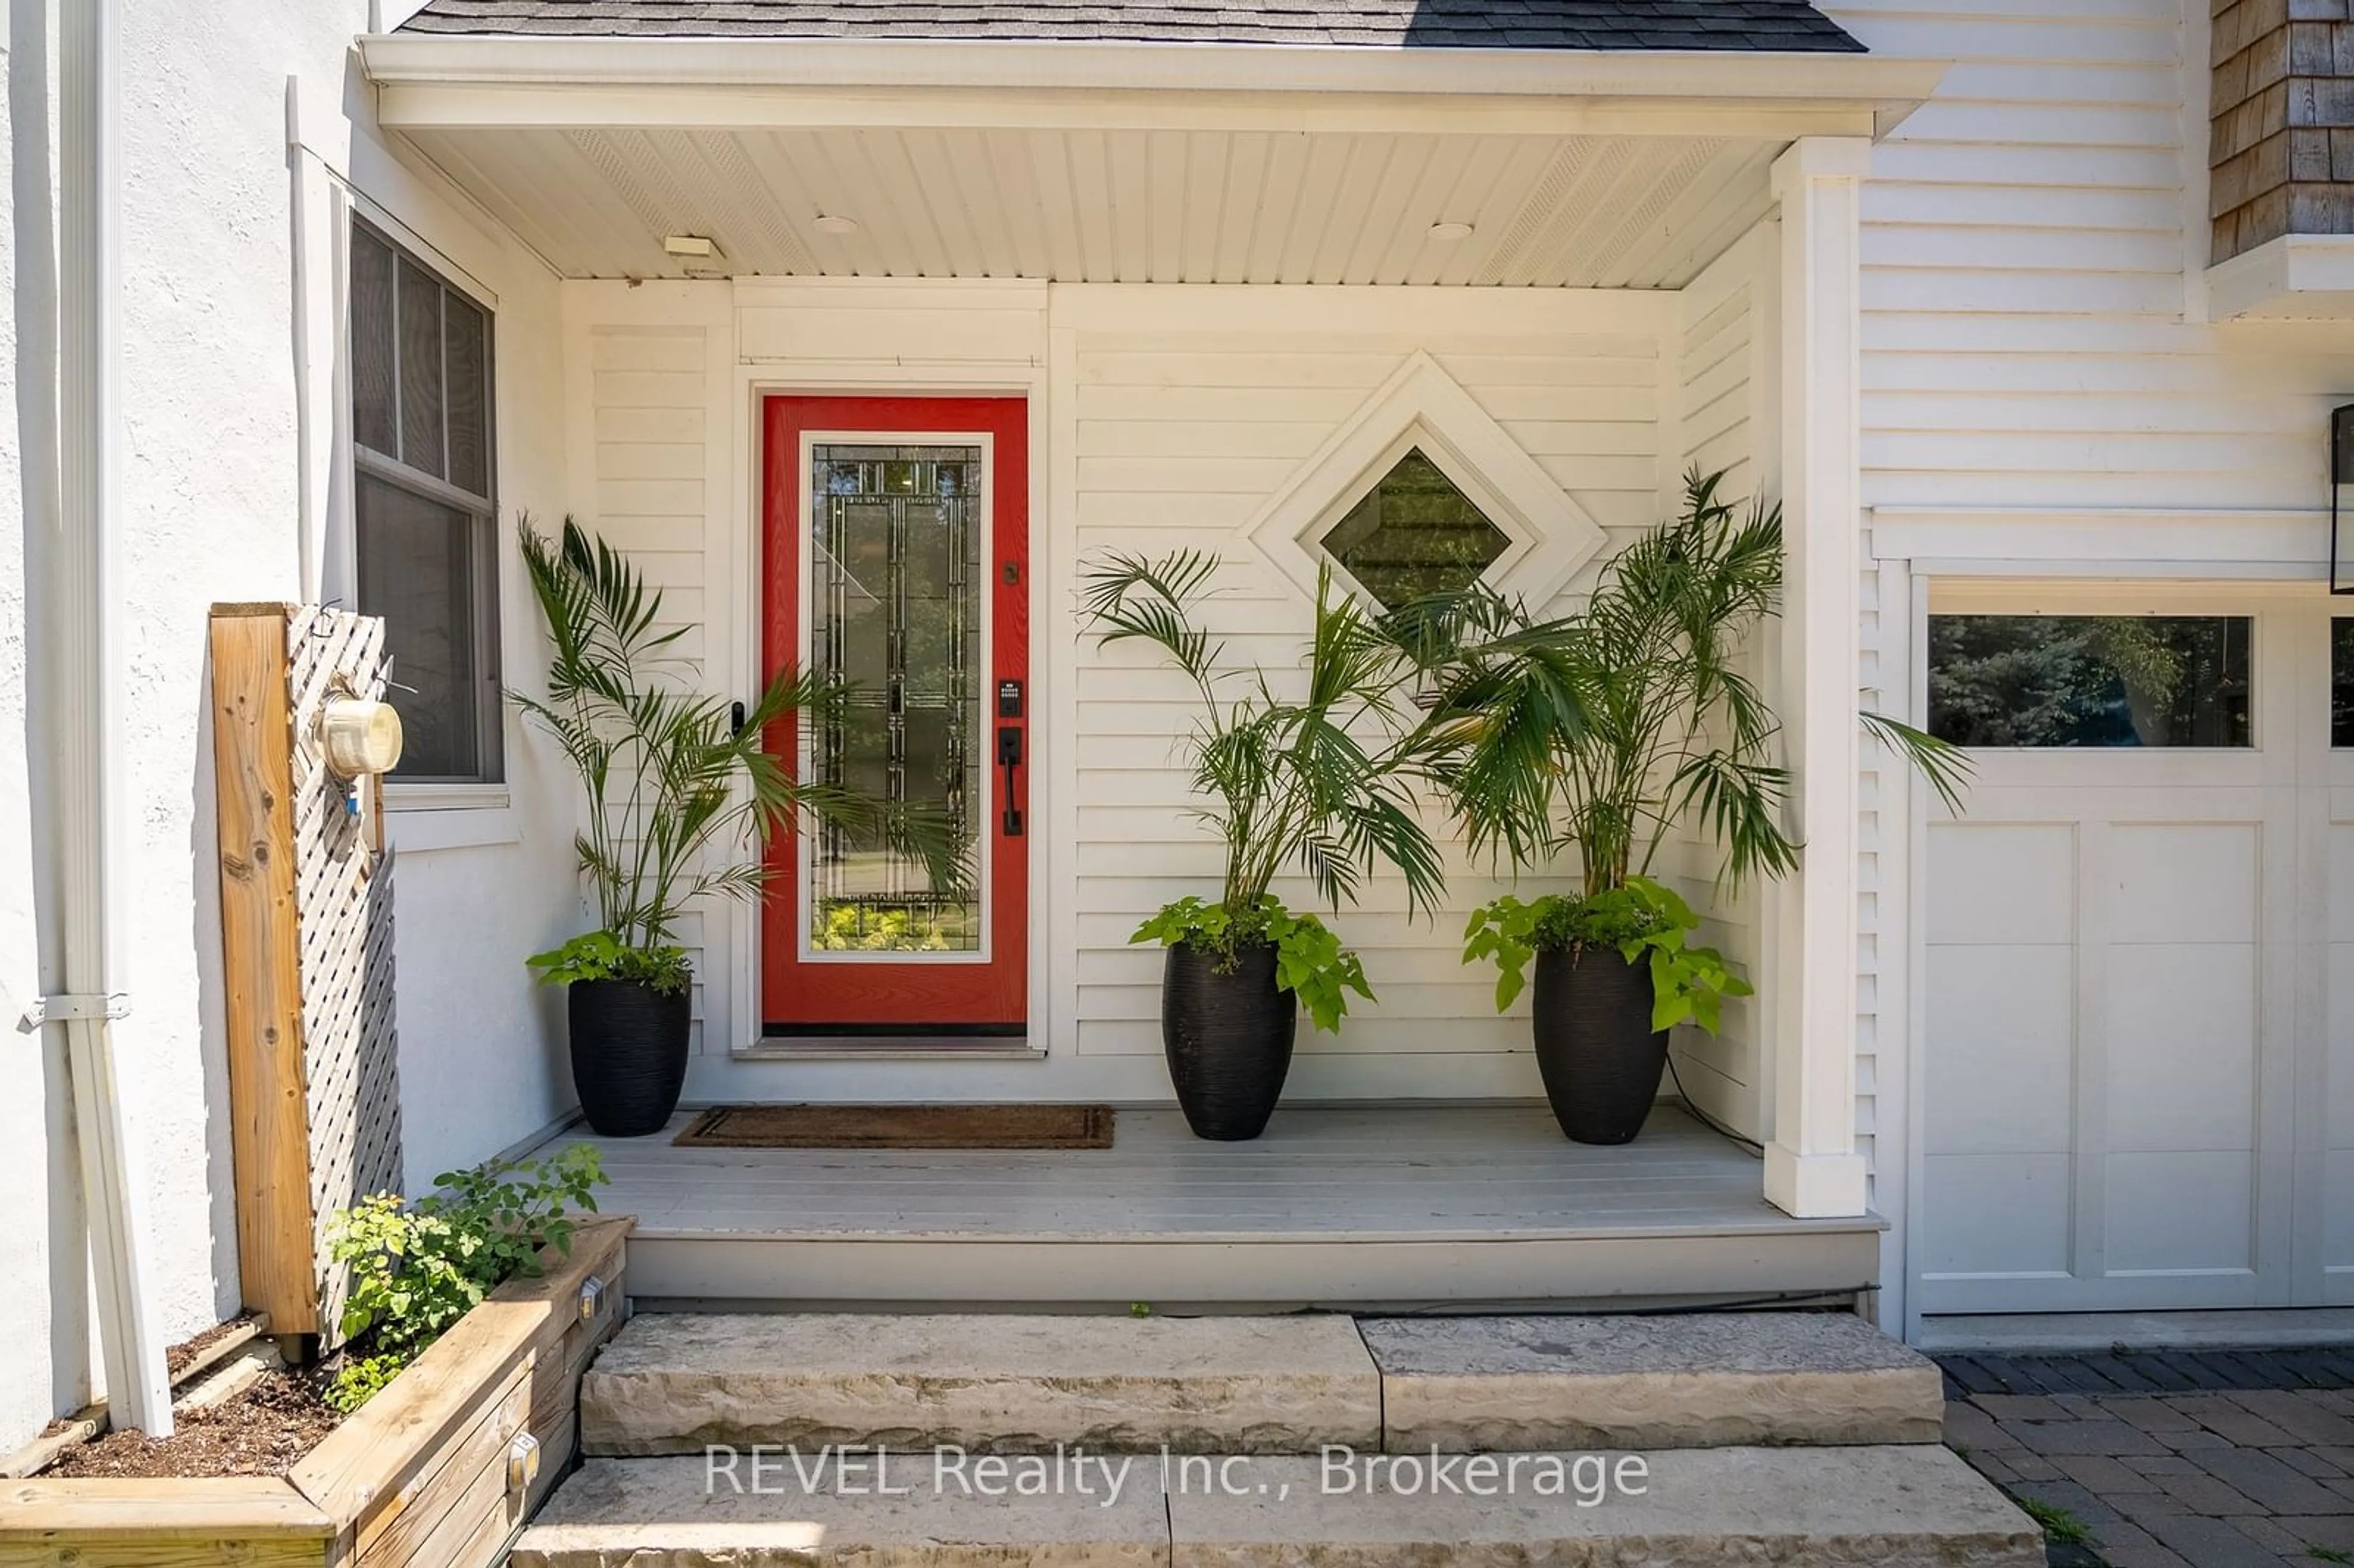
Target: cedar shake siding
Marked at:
2283, 139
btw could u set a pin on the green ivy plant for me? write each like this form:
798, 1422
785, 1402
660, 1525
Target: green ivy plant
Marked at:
420, 1264
1641, 920
601, 956
1309, 962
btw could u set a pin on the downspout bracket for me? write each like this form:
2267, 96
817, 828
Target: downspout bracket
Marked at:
73, 1008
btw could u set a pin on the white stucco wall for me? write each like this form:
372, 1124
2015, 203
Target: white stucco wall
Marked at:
210, 464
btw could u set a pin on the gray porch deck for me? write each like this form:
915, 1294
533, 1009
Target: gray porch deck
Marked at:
1401, 1206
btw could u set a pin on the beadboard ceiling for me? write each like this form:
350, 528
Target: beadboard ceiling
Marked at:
1185, 206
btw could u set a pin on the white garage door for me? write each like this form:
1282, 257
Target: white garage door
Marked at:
2139, 1078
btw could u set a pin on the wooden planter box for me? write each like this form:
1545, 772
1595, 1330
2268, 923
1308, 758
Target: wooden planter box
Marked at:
418, 1476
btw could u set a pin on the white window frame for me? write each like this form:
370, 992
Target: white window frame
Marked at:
489, 790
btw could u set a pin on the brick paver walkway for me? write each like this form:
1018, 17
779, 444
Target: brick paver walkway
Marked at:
2215, 1459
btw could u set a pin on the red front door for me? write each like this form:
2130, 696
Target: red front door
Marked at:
897, 550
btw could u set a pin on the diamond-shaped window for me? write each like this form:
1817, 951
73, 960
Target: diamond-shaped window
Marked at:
1414, 535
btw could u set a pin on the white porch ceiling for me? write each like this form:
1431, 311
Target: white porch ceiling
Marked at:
1184, 205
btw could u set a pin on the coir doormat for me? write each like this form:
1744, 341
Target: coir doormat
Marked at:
899, 1127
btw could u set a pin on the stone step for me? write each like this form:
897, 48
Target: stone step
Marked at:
673, 1383
676, 1383
1891, 1507
1695, 1380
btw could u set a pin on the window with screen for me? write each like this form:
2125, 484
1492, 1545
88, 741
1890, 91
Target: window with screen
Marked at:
426, 523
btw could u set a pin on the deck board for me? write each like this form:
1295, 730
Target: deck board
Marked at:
1388, 1173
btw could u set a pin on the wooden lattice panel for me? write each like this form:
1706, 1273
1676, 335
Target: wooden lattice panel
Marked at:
344, 892
307, 938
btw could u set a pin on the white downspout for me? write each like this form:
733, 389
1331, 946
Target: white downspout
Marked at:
75, 593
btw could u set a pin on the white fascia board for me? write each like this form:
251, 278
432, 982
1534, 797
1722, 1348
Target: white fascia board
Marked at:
2299, 277
1879, 91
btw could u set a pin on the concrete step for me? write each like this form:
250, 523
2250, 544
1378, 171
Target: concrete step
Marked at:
1701, 1380
1892, 1507
675, 1384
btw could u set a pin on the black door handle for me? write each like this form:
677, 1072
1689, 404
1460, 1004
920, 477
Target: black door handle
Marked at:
1009, 756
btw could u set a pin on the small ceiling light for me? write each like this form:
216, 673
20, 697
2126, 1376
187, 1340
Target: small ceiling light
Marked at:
1448, 233
835, 223
698, 247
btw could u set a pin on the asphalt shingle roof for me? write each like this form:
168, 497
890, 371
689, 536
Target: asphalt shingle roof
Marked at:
1726, 24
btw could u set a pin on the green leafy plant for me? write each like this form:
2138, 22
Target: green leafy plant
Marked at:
1607, 731
680, 795
359, 1381
417, 1265
1320, 783
1640, 920
600, 956
2060, 1527
1310, 960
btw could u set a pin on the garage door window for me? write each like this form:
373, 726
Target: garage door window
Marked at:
2095, 681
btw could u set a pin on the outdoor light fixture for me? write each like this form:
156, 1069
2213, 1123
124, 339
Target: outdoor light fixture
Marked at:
1448, 233
360, 738
835, 223
522, 1462
692, 246
2341, 475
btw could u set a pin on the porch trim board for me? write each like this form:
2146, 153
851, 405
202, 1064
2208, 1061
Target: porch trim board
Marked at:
428, 81
1813, 1165
1407, 1203
1830, 1258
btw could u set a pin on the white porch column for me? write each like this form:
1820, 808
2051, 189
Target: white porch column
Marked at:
1812, 1167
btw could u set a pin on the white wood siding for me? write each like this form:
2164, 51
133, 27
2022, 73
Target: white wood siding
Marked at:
1184, 429
1721, 425
2024, 295
649, 475
2033, 342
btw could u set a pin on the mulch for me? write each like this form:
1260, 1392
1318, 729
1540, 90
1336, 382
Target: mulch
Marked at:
900, 1127
180, 1357
261, 1430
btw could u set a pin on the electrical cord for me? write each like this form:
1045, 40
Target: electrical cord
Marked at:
1749, 1145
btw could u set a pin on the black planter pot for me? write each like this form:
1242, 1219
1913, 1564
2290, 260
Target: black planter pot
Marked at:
1600, 1057
1228, 1037
628, 1055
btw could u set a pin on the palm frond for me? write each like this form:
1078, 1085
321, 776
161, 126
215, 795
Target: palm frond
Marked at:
680, 798
1947, 766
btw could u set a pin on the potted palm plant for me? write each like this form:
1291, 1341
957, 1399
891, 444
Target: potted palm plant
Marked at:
681, 792
1319, 783
1608, 731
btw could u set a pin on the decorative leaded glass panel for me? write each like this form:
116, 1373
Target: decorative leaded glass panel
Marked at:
897, 600
1414, 535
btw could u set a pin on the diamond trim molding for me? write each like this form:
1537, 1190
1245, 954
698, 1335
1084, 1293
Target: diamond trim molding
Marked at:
1420, 406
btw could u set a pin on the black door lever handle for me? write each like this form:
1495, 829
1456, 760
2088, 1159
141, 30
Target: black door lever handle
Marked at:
1009, 756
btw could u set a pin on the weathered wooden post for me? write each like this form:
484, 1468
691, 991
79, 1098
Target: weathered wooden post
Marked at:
306, 948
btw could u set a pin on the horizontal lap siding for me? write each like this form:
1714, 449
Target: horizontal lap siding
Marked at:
2026, 343
2024, 336
1718, 376
649, 494
1183, 438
